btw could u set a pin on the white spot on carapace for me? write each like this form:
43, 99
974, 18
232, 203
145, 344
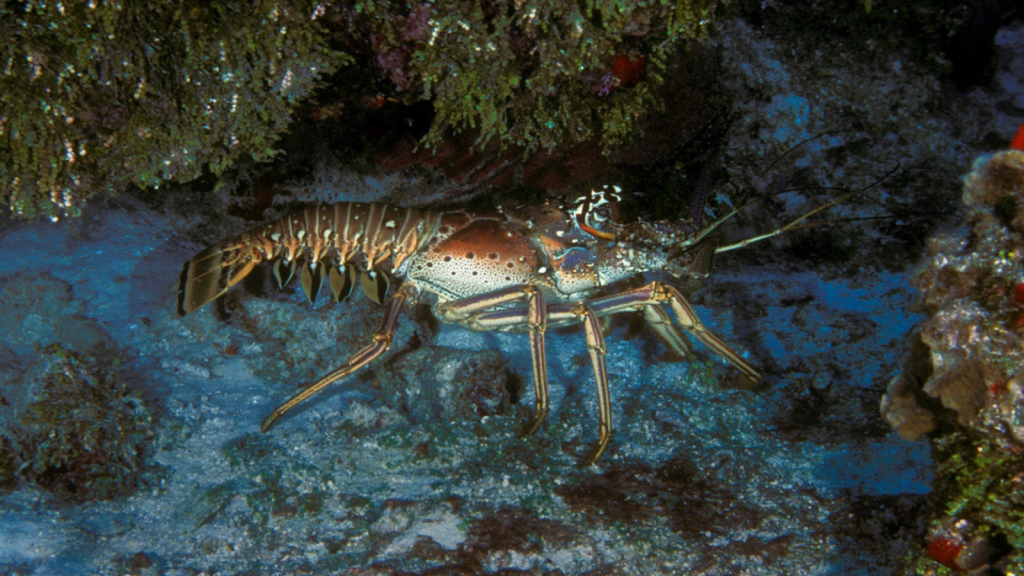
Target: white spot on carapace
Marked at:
542, 270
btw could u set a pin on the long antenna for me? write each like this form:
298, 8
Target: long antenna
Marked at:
795, 224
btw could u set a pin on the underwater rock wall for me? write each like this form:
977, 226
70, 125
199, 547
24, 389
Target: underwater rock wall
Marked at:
963, 381
972, 286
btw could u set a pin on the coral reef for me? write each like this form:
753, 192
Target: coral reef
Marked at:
796, 476
968, 355
972, 286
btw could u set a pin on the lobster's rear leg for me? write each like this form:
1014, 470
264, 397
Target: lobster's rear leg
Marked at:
381, 341
467, 312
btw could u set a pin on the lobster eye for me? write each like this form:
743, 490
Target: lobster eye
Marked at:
596, 222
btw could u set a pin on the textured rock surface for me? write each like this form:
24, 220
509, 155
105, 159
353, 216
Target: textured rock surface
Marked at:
972, 285
963, 380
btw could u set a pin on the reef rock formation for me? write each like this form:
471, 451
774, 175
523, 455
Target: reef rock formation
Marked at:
963, 382
972, 287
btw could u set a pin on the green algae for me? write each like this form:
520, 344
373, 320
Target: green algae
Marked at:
534, 74
99, 96
981, 481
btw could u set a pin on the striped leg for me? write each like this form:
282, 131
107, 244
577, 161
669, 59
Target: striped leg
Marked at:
467, 312
562, 314
597, 350
381, 342
686, 316
473, 313
658, 293
661, 323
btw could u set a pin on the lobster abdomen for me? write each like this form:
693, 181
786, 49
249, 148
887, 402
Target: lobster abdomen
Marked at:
376, 237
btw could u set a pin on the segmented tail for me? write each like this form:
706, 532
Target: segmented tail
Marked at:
350, 237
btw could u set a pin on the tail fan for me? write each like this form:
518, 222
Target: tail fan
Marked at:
210, 273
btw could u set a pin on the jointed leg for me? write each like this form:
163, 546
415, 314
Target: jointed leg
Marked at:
467, 312
597, 350
381, 342
688, 318
564, 313
661, 323
652, 295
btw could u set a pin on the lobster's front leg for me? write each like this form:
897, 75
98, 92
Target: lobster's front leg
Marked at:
381, 341
647, 298
688, 318
597, 350
661, 323
467, 312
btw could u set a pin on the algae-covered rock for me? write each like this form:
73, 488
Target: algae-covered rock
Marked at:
99, 96
537, 75
87, 435
972, 287
434, 384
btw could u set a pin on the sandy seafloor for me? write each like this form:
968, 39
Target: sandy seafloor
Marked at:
797, 476
414, 466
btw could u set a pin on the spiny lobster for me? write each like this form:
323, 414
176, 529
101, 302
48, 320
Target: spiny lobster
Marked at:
525, 269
